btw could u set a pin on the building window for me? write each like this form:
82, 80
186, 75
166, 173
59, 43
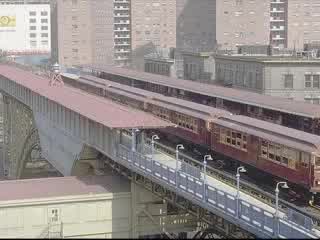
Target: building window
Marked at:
288, 81
316, 101
316, 81
32, 13
44, 43
44, 34
44, 13
44, 27
308, 81
32, 20
33, 35
33, 28
44, 20
33, 43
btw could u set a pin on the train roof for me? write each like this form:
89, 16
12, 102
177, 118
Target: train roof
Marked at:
236, 95
179, 105
273, 132
269, 131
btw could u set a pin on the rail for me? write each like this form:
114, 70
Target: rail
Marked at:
244, 186
249, 216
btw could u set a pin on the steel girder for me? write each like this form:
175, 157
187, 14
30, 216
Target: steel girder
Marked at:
20, 136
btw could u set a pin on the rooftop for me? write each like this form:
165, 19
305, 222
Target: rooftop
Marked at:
61, 186
277, 133
98, 109
269, 59
179, 105
274, 132
236, 95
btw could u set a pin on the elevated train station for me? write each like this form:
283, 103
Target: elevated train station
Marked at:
66, 120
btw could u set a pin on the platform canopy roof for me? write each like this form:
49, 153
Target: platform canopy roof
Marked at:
231, 94
95, 108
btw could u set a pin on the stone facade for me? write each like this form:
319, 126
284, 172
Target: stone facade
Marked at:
292, 78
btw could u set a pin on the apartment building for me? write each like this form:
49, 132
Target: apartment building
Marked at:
122, 32
54, 32
242, 22
288, 77
153, 26
85, 32
279, 23
294, 23
303, 23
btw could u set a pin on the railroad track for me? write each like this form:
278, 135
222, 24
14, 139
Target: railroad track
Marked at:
261, 192
265, 195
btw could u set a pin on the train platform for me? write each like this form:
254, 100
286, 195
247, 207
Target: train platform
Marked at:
191, 172
169, 161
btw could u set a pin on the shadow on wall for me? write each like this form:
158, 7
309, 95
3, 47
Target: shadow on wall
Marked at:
138, 54
196, 29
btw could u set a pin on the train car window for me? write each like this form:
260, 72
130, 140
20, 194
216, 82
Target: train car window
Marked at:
234, 139
317, 161
279, 154
186, 122
285, 160
305, 159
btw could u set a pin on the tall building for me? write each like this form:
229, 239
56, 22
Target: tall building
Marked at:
303, 22
122, 32
25, 28
242, 22
153, 26
279, 23
85, 32
54, 31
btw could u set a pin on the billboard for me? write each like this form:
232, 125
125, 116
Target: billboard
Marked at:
7, 21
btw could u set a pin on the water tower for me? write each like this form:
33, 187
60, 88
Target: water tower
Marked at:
56, 79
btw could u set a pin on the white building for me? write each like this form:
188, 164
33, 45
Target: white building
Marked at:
25, 28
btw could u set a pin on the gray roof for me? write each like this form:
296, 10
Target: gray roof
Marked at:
113, 116
273, 132
268, 59
236, 95
270, 131
179, 105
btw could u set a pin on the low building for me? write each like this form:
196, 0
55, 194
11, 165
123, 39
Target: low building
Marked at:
288, 77
163, 61
78, 207
161, 66
198, 66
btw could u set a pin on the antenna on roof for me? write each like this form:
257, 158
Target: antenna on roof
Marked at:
56, 78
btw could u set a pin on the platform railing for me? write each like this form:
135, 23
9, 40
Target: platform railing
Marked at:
215, 199
293, 214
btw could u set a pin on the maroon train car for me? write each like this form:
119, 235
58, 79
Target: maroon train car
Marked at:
294, 114
280, 151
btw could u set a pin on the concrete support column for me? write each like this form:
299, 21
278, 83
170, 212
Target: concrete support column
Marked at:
115, 141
